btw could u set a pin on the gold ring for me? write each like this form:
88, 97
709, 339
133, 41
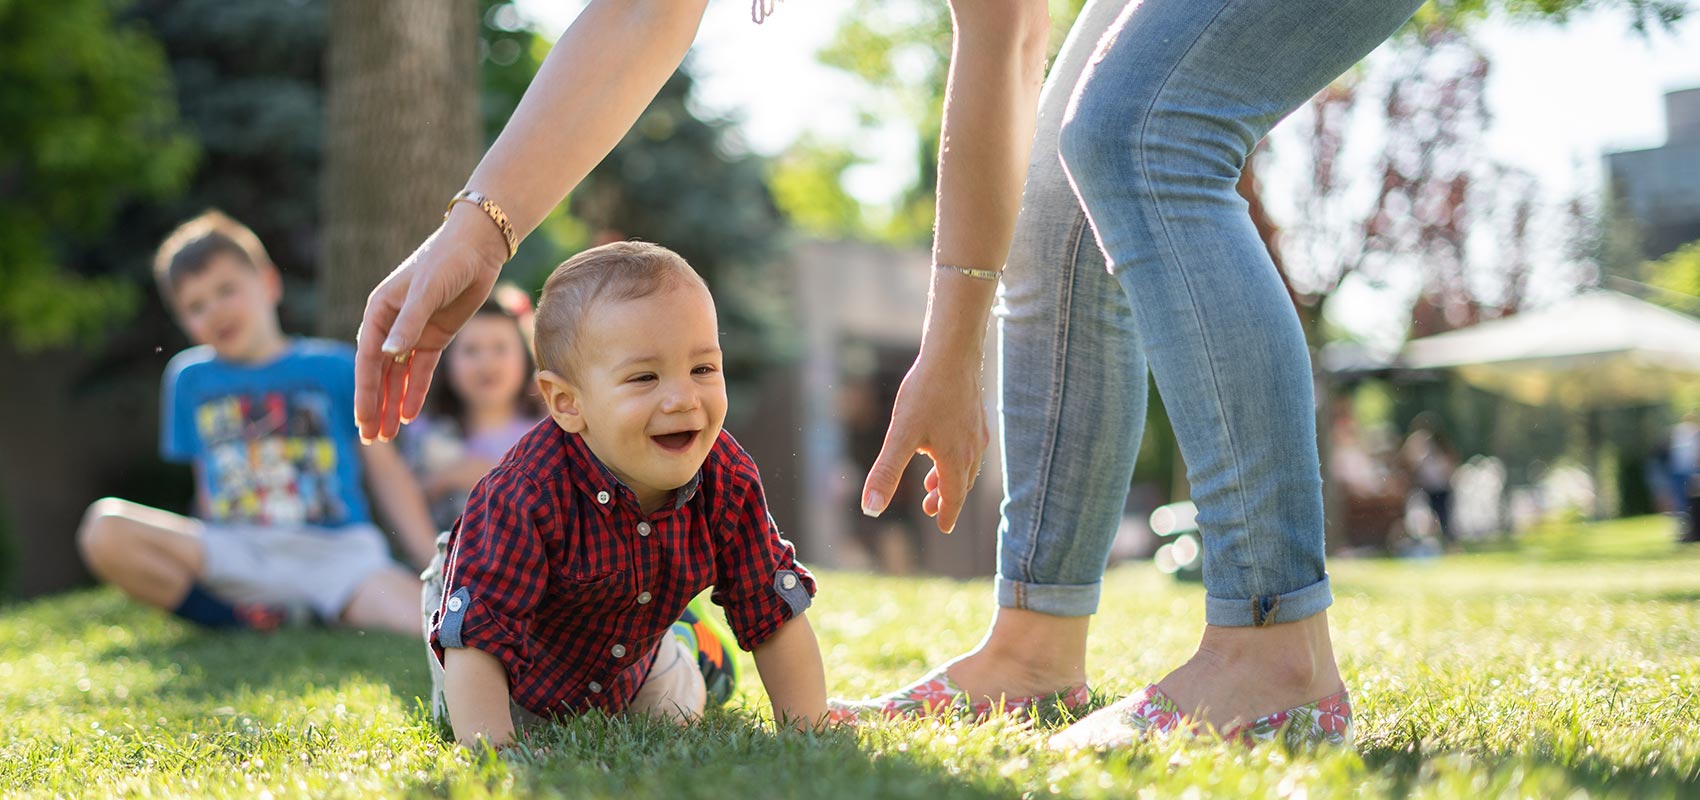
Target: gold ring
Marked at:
401, 358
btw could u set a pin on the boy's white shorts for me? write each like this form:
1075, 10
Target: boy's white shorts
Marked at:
319, 568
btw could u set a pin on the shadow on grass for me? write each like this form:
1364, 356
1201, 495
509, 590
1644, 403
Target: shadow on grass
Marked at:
216, 666
727, 754
1409, 766
206, 666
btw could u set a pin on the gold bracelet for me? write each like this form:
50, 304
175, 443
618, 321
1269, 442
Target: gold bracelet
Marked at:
981, 274
491, 210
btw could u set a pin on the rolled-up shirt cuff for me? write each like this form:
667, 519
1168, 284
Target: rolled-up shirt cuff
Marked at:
465, 622
789, 593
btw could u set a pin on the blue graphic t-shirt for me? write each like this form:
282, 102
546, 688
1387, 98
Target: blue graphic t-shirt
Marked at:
273, 443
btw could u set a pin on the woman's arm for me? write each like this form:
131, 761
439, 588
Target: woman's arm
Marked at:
790, 667
997, 66
601, 74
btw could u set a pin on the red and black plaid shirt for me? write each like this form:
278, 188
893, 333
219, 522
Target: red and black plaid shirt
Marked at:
555, 571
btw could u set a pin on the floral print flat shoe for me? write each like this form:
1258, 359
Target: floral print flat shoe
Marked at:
938, 695
1325, 722
1150, 713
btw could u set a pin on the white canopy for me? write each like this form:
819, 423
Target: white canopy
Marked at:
1594, 350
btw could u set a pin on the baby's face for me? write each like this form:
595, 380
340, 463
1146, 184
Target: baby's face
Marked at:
652, 397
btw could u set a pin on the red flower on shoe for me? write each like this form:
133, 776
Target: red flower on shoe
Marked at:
1162, 721
839, 715
1155, 713
933, 694
1334, 714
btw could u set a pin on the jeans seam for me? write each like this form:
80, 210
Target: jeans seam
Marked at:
1053, 409
1169, 249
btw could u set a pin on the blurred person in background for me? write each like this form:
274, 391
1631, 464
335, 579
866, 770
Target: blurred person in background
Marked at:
1685, 473
1432, 459
484, 401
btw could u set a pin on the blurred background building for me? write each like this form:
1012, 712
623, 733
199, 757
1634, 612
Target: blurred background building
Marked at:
1659, 187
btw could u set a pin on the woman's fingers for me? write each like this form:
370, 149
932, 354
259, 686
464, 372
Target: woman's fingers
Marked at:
930, 504
888, 468
955, 476
395, 381
370, 361
422, 300
419, 371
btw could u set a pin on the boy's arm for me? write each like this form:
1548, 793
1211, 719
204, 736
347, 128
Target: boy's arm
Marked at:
461, 476
203, 508
475, 687
790, 666
402, 502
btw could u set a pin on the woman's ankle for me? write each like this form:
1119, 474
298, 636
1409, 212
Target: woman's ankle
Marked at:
1028, 651
1240, 672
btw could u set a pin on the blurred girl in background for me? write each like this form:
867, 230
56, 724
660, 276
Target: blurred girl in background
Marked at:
483, 402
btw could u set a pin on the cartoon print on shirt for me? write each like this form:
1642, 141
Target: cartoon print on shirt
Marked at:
271, 460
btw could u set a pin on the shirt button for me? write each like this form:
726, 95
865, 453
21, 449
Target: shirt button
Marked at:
602, 497
643, 598
789, 581
595, 688
618, 650
454, 604
644, 529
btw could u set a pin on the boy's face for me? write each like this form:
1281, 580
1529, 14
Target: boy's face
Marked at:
231, 306
647, 394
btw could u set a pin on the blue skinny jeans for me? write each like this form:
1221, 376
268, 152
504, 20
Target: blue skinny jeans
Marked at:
1134, 252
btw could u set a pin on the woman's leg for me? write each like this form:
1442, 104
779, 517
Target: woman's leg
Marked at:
1154, 141
1072, 395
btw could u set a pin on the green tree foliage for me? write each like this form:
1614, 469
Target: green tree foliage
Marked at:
902, 52
808, 186
683, 180
249, 79
1642, 14
1678, 274
86, 124
679, 178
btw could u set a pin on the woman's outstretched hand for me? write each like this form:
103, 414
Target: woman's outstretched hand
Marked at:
413, 314
939, 412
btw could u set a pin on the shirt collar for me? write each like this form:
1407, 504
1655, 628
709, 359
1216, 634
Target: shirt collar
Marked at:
590, 477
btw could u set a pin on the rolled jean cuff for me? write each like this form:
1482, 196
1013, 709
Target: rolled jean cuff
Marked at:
1270, 608
1055, 599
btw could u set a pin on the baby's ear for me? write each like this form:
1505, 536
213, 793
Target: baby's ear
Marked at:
562, 399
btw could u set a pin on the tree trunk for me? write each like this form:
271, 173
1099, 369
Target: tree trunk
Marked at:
401, 135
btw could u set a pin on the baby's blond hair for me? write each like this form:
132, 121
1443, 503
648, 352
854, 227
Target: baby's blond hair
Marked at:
616, 271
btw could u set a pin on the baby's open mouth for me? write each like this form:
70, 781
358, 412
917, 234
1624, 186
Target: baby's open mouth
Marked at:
677, 441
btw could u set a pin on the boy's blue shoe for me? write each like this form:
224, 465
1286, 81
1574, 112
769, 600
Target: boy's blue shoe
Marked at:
713, 643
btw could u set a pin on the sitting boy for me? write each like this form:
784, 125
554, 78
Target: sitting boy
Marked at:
281, 530
579, 550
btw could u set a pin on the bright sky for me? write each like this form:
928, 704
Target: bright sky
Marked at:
1561, 96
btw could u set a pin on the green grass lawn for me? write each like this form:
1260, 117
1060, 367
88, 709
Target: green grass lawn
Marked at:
1570, 667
